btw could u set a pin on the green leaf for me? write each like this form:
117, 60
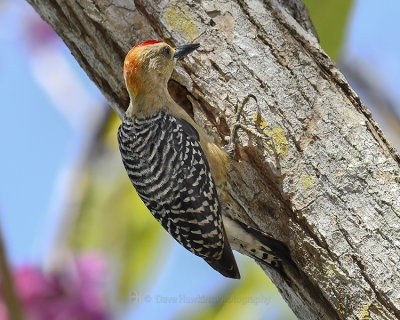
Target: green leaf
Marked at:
330, 18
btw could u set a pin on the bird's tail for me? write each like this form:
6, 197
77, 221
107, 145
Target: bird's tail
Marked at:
257, 244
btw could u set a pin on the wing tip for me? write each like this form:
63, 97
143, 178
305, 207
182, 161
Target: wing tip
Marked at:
227, 265
229, 271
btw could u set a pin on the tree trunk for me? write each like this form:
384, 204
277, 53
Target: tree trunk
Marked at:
324, 181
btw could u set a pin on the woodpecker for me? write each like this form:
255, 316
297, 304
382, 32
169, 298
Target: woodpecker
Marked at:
179, 173
173, 165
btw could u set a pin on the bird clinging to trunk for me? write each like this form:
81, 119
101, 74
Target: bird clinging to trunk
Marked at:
173, 165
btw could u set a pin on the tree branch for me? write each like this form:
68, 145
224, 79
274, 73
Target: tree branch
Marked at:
325, 181
7, 287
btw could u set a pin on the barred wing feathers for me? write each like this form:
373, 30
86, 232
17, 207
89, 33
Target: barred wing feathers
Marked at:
167, 166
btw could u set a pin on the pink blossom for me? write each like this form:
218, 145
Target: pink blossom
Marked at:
74, 293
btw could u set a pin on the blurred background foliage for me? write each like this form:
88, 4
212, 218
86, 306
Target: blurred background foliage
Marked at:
99, 211
329, 18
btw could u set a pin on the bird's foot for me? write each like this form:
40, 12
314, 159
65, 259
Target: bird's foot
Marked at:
231, 146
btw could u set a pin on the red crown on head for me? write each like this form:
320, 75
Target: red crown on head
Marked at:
146, 43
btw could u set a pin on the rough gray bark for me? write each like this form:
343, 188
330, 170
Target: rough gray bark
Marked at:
325, 181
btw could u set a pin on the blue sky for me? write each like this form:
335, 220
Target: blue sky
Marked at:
30, 124
40, 140
373, 34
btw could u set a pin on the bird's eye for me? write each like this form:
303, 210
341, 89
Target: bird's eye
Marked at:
166, 52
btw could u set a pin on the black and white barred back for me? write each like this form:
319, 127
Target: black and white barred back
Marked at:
167, 166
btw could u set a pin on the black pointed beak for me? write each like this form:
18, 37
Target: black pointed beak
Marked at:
184, 50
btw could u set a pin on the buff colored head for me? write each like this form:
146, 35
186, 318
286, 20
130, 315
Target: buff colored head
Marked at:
149, 65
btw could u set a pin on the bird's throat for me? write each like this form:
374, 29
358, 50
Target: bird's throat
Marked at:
146, 104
